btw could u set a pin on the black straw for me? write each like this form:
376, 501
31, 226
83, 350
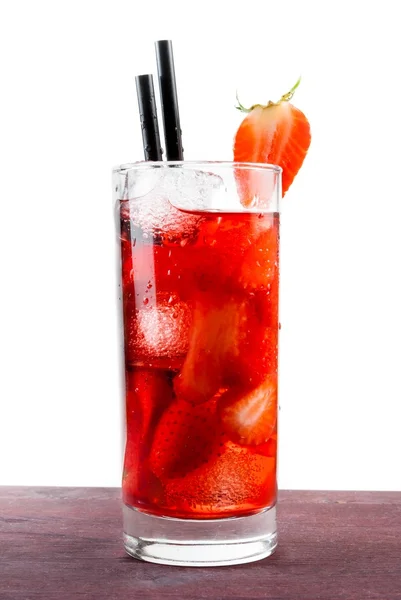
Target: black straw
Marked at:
148, 114
169, 101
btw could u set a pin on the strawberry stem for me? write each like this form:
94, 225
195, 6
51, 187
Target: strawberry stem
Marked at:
240, 106
290, 94
284, 98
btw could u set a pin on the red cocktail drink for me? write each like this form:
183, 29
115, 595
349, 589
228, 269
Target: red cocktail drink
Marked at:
200, 278
201, 329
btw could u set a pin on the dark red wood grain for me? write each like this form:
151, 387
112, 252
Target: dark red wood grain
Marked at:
65, 543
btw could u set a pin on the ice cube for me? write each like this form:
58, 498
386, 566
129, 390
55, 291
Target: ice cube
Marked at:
157, 199
160, 330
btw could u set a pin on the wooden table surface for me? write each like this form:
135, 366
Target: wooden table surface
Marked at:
65, 543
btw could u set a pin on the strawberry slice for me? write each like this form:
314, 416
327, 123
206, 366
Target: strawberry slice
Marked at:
269, 448
279, 134
185, 438
254, 353
214, 337
250, 417
233, 341
147, 395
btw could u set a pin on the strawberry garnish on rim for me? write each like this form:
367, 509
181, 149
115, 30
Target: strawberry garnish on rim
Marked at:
277, 133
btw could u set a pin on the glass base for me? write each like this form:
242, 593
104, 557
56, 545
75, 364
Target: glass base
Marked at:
199, 543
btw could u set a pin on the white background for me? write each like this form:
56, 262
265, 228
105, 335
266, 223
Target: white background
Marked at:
69, 114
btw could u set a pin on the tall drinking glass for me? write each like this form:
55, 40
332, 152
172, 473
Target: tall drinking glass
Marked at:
199, 249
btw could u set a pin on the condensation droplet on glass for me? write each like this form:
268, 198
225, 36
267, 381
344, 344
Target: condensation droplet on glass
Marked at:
146, 301
168, 272
149, 285
134, 242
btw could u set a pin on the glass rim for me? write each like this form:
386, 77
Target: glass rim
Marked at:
225, 164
